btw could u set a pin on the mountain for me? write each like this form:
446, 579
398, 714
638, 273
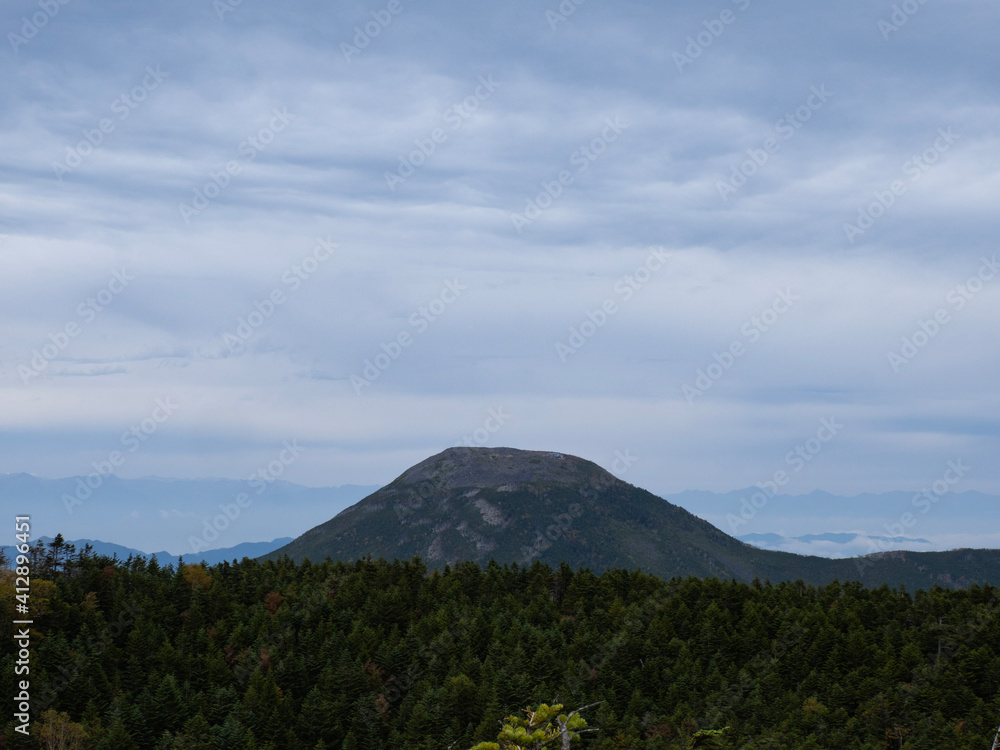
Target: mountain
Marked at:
518, 506
209, 557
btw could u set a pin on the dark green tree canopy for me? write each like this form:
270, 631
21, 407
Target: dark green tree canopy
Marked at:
389, 656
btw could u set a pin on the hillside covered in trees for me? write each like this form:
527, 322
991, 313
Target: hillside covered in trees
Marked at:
391, 656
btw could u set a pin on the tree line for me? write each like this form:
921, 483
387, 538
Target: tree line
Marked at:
375, 655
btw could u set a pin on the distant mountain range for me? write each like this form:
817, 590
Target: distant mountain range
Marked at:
836, 544
948, 521
517, 506
184, 516
209, 557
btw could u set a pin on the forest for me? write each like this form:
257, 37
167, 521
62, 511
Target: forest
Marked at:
373, 655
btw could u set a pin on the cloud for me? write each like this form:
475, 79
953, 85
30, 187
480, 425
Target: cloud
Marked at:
186, 104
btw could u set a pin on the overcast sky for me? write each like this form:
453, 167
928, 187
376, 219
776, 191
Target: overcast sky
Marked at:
671, 238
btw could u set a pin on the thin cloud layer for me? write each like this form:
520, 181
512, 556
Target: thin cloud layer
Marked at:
686, 233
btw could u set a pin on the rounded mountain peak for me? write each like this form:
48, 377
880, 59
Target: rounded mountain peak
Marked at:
455, 468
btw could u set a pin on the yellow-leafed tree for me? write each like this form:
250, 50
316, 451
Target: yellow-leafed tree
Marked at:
57, 732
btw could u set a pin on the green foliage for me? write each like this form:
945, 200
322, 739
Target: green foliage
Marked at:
538, 729
708, 738
386, 656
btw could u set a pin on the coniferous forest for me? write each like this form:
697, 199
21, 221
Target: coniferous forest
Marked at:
376, 655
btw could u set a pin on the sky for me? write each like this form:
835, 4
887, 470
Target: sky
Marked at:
705, 245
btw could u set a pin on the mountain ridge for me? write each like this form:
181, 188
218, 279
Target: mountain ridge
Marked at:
209, 557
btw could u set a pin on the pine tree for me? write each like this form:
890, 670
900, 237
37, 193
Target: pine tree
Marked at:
541, 728
117, 738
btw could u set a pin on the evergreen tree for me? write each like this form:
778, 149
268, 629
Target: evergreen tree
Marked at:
540, 728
